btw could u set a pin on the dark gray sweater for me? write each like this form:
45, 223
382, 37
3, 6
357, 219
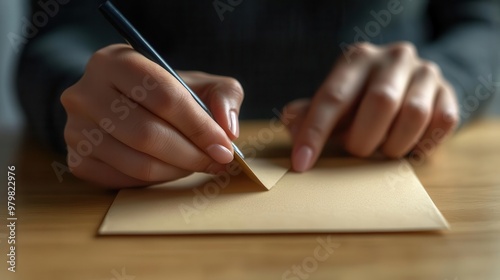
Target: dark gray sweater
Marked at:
279, 50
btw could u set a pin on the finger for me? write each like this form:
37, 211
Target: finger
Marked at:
102, 174
119, 156
297, 108
415, 113
380, 104
444, 120
222, 95
159, 92
334, 97
140, 130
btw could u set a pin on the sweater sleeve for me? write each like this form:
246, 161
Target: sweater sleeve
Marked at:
59, 40
465, 43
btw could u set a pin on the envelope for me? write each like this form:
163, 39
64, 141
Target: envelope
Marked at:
337, 195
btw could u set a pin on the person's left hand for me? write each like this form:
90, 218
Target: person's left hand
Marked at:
386, 96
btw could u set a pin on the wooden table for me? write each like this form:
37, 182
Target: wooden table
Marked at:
57, 223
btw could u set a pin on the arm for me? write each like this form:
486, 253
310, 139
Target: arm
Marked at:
54, 59
402, 102
465, 44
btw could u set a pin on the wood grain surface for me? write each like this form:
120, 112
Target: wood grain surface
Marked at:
56, 231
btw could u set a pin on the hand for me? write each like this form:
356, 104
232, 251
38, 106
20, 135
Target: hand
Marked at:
142, 124
385, 96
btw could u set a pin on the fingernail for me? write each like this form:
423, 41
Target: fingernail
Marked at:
233, 123
303, 158
220, 153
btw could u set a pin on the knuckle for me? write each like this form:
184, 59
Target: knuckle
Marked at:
316, 132
430, 68
74, 98
360, 50
147, 136
363, 46
404, 49
334, 97
450, 120
171, 100
232, 86
383, 98
97, 60
71, 136
134, 65
129, 62
416, 111
200, 129
102, 57
68, 98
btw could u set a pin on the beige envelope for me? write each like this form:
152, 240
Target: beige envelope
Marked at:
338, 195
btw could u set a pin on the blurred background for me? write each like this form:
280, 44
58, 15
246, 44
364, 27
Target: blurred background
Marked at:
11, 120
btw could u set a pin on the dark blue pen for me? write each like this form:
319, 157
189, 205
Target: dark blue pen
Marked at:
135, 39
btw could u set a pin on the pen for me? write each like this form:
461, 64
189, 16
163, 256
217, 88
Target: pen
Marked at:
135, 39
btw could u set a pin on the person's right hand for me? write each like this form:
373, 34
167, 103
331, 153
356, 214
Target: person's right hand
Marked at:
131, 123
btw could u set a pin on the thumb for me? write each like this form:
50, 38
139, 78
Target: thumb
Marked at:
223, 97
